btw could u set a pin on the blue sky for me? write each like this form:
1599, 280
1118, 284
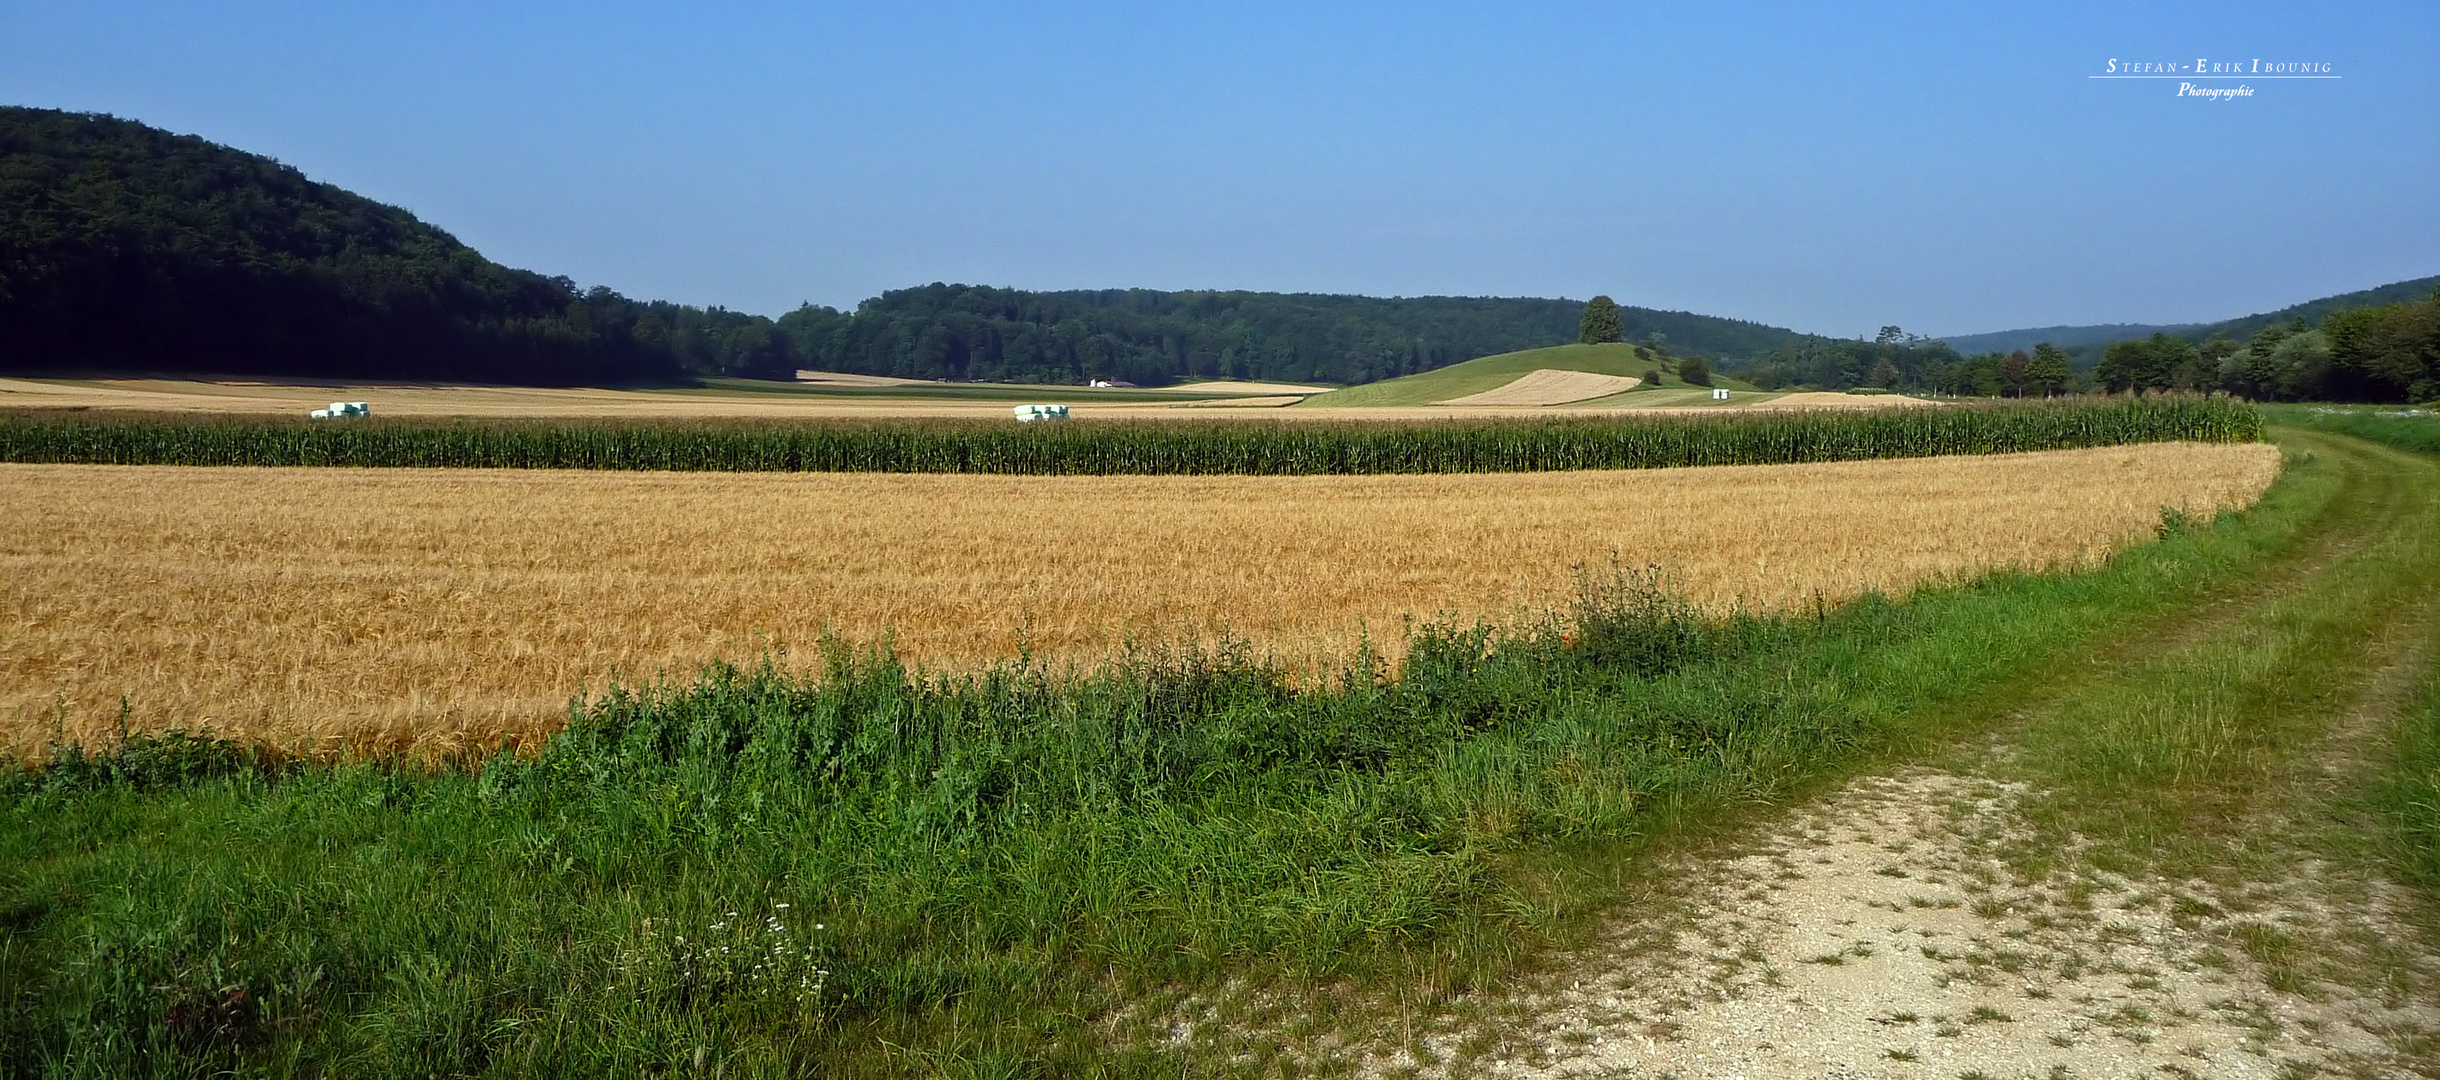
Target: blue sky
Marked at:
1948, 168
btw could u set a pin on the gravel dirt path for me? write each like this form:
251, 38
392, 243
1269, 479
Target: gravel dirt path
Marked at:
1945, 919
1884, 933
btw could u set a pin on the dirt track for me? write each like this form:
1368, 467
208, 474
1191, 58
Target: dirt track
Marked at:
1881, 933
1968, 917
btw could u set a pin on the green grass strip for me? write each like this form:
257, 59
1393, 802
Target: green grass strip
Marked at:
2409, 794
2410, 797
2407, 429
1109, 448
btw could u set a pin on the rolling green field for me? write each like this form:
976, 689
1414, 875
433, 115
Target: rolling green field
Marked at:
1493, 372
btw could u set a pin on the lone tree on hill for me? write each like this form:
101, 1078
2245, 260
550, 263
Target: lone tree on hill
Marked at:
1600, 324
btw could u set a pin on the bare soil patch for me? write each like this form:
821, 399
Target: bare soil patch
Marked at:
1882, 933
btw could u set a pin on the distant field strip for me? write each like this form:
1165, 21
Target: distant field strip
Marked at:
1548, 387
381, 608
1080, 448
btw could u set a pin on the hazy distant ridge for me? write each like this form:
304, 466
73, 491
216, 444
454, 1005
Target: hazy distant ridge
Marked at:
2313, 311
2065, 337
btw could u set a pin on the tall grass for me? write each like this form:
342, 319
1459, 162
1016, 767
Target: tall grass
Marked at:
1090, 448
2412, 795
865, 871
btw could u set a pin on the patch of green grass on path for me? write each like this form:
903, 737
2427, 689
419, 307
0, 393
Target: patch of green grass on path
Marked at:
2281, 757
2407, 798
872, 874
2186, 743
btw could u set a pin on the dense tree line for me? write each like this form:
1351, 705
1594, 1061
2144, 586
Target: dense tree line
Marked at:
1893, 360
2386, 352
1150, 337
123, 246
2383, 353
973, 332
2314, 311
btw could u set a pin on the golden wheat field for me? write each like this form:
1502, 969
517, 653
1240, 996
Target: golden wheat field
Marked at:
426, 608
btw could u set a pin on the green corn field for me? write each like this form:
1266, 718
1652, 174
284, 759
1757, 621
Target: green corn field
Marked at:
1128, 448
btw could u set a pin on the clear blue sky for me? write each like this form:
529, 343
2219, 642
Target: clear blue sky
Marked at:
1946, 167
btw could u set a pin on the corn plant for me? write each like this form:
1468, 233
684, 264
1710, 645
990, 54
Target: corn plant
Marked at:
1131, 448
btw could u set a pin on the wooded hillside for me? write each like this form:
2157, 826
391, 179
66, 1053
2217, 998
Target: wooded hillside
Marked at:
123, 246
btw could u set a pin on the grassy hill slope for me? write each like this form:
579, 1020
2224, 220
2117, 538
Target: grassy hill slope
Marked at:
1493, 372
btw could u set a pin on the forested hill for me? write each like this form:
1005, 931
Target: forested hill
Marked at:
2065, 337
2311, 311
2314, 311
126, 247
1151, 337
123, 246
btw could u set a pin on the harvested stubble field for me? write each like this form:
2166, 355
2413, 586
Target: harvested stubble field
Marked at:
382, 608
